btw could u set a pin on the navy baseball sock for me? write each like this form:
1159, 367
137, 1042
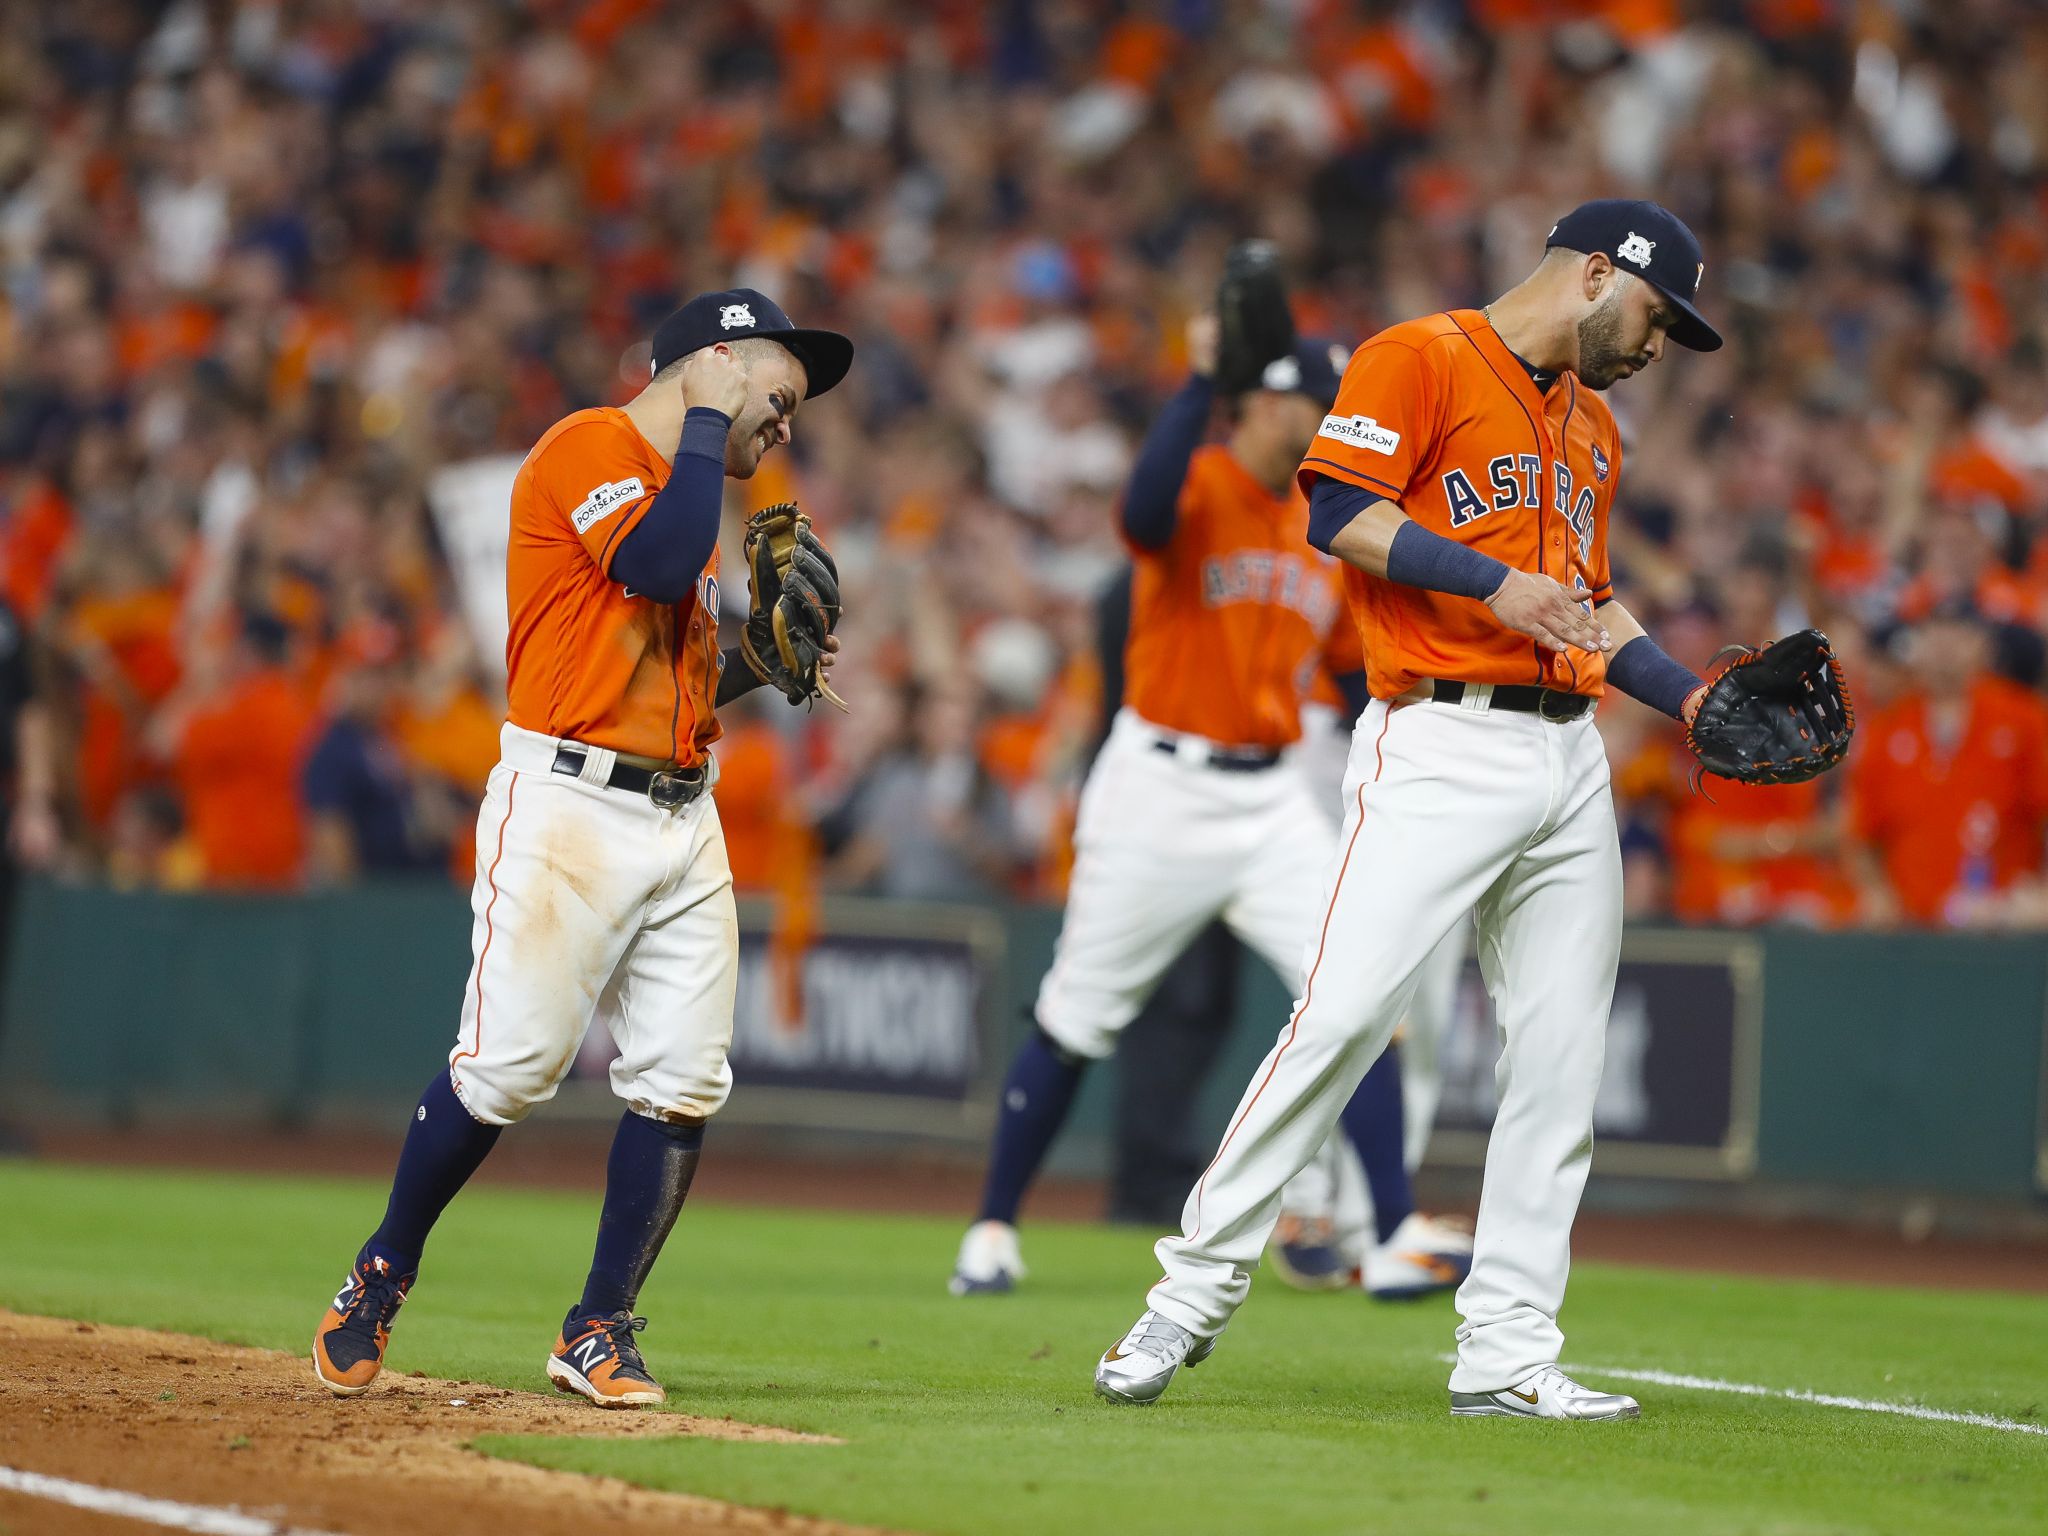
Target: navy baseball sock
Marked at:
1036, 1097
1375, 1123
443, 1146
652, 1164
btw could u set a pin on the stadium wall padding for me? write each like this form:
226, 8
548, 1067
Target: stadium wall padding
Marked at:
1897, 1061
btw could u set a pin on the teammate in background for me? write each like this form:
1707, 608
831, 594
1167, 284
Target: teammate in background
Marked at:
602, 885
1191, 811
1466, 477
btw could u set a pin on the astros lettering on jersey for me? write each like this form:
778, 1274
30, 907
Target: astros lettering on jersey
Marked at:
1438, 415
589, 660
1231, 620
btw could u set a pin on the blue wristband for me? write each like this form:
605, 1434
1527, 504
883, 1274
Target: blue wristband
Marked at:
704, 433
1642, 670
1419, 558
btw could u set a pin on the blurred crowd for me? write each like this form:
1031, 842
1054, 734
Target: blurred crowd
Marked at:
270, 267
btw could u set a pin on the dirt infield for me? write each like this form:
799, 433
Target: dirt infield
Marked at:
212, 1424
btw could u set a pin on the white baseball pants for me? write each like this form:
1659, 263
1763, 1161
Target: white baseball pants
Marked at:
1451, 808
1164, 845
591, 903
1333, 1184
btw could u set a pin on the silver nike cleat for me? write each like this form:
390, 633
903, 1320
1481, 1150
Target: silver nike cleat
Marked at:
1137, 1368
1549, 1394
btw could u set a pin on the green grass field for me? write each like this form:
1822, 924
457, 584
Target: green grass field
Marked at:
1318, 1414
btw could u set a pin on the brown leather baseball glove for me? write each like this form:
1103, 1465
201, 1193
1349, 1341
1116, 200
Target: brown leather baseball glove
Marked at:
793, 591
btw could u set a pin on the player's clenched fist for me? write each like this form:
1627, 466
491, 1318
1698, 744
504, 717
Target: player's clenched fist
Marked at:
1544, 611
716, 377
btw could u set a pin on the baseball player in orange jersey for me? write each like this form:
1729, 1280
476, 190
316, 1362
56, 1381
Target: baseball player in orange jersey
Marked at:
1192, 810
602, 887
1465, 478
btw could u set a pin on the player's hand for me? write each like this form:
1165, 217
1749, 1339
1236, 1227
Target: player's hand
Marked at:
1201, 338
1538, 607
716, 377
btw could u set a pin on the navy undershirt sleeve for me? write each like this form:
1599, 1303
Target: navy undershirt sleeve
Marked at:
672, 543
1153, 495
1331, 505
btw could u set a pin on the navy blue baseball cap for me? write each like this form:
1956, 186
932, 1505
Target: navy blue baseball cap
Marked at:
1651, 242
733, 313
1314, 368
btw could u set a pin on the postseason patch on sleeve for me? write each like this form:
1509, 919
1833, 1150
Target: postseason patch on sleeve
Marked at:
605, 500
1360, 432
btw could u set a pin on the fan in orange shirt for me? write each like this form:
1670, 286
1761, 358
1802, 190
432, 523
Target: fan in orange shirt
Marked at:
237, 751
1949, 787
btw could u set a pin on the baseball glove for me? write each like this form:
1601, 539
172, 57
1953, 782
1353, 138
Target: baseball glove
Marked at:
793, 591
1254, 324
1779, 715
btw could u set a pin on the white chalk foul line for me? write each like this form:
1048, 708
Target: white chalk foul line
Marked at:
1801, 1395
207, 1519
1825, 1399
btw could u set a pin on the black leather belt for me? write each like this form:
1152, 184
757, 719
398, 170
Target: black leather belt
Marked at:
1525, 698
669, 788
1223, 759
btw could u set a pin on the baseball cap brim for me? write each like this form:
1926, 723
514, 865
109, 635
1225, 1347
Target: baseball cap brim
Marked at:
826, 356
1692, 329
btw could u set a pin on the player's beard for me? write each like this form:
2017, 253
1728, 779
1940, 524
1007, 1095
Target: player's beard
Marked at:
1601, 354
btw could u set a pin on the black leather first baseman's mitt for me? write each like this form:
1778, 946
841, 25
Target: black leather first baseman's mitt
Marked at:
1775, 716
1254, 326
793, 591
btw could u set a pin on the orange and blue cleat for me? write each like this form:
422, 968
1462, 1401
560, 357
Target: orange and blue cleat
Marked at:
348, 1349
597, 1359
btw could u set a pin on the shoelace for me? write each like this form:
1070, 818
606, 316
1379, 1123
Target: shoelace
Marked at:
621, 1327
1152, 1327
384, 1293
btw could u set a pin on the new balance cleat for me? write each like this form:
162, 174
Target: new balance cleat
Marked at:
989, 1261
597, 1359
1138, 1366
1549, 1394
1425, 1255
348, 1347
1305, 1254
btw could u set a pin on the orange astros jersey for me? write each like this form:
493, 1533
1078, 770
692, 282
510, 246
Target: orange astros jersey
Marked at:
587, 659
1231, 620
1438, 415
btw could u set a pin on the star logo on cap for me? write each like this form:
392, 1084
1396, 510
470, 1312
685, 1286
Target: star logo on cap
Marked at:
732, 317
1636, 249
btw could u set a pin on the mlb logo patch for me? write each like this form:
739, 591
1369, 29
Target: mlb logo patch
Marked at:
1361, 432
1599, 464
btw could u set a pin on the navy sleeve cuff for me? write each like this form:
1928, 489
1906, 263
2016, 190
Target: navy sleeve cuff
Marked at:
704, 433
1642, 670
1419, 558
